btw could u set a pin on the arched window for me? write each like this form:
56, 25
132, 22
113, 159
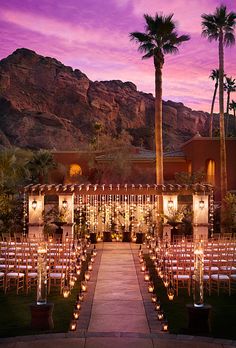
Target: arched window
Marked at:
210, 171
75, 170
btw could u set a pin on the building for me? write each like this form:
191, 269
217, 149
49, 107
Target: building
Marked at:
137, 165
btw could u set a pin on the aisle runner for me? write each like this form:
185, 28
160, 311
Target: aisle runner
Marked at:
117, 303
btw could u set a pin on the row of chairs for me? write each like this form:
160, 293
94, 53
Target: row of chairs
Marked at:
19, 263
219, 265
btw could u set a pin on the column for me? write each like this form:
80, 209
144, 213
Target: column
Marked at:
36, 223
200, 216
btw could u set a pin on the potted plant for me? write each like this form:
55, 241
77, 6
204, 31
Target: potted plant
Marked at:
56, 217
174, 218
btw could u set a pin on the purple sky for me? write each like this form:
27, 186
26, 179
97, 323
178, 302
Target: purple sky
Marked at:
92, 35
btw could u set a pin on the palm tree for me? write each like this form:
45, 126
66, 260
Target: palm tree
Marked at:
215, 77
40, 165
160, 38
232, 106
219, 26
229, 87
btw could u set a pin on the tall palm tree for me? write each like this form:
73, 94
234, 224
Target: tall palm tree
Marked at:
229, 87
215, 77
232, 106
219, 26
160, 38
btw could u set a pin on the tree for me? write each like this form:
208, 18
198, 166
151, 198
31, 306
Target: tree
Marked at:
229, 87
160, 38
215, 77
219, 26
13, 169
232, 106
13, 175
40, 164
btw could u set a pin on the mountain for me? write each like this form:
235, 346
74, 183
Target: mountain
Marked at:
45, 104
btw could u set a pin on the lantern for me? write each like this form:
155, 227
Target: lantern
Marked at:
150, 287
34, 204
84, 286
66, 291
87, 275
76, 314
78, 305
164, 326
72, 325
170, 204
146, 277
160, 315
154, 298
201, 204
64, 204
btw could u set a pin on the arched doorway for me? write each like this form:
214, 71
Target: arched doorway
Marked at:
210, 171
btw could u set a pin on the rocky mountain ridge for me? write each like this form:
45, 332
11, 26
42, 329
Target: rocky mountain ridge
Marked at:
45, 104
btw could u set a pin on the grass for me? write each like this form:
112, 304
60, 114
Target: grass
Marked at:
15, 311
222, 316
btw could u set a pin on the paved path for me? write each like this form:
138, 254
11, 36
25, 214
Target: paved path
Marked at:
117, 312
117, 303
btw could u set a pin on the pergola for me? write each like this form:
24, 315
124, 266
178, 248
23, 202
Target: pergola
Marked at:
128, 207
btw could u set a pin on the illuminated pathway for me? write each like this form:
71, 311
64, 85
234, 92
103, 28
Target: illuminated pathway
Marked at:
118, 303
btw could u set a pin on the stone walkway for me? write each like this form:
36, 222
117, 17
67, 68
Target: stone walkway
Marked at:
117, 311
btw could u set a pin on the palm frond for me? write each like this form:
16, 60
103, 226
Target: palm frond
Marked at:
139, 37
148, 55
146, 47
229, 39
169, 48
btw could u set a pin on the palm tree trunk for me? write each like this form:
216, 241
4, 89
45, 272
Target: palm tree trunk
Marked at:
223, 169
158, 124
212, 109
227, 114
235, 118
158, 136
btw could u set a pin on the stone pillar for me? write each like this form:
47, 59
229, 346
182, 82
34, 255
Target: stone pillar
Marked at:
36, 223
68, 211
200, 216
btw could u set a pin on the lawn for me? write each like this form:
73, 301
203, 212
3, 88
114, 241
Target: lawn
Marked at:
15, 312
222, 316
